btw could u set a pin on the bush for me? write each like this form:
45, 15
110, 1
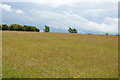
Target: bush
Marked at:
106, 34
72, 30
5, 27
47, 29
17, 27
0, 27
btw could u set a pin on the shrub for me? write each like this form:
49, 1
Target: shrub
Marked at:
0, 27
106, 34
5, 27
72, 30
17, 27
47, 29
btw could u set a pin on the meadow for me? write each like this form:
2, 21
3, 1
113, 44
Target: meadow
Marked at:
58, 55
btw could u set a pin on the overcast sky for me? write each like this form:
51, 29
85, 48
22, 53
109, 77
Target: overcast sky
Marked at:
86, 17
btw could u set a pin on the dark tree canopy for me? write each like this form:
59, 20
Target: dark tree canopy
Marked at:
5, 27
47, 29
72, 30
0, 27
17, 27
106, 33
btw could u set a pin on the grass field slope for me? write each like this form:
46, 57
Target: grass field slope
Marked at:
59, 55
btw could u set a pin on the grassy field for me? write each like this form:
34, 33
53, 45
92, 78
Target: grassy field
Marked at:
59, 55
0, 54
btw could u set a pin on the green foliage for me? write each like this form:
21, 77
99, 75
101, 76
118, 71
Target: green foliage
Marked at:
0, 27
17, 27
106, 34
31, 28
5, 27
72, 30
14, 27
47, 29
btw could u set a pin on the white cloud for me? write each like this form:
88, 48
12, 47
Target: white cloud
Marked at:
60, 1
18, 11
109, 25
57, 3
61, 18
5, 7
65, 20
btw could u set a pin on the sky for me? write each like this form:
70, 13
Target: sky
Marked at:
97, 17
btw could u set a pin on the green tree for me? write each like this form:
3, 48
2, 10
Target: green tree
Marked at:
106, 33
20, 28
0, 27
5, 27
72, 30
14, 27
17, 27
47, 29
33, 28
30, 28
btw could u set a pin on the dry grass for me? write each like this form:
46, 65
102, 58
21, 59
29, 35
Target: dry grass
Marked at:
59, 55
0, 54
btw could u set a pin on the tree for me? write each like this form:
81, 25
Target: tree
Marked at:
14, 27
5, 27
37, 30
106, 34
20, 28
0, 27
17, 27
72, 30
33, 28
30, 28
47, 29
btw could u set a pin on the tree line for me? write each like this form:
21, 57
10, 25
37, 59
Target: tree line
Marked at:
17, 27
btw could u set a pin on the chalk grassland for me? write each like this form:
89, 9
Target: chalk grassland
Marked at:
59, 55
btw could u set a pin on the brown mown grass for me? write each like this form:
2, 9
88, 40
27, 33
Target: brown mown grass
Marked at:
59, 55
